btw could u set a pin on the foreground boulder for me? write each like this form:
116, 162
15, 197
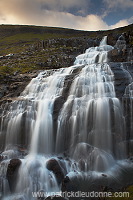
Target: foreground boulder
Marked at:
56, 168
12, 172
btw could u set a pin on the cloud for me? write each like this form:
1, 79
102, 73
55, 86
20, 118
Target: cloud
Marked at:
41, 12
39, 5
33, 13
121, 23
111, 6
49, 13
114, 5
121, 4
63, 5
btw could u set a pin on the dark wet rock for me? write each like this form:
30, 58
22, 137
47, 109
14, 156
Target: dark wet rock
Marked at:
3, 90
112, 38
75, 182
65, 183
57, 106
54, 166
1, 158
122, 51
122, 76
60, 157
12, 172
113, 52
13, 85
104, 175
131, 159
116, 55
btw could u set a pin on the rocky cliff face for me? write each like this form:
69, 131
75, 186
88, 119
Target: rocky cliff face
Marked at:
121, 62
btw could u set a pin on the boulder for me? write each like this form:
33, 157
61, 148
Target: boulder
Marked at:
54, 166
75, 183
12, 172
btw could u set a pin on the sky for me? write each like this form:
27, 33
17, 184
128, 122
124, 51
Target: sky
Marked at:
88, 15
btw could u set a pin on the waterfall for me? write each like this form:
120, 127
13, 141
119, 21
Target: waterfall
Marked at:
103, 41
42, 138
89, 126
92, 114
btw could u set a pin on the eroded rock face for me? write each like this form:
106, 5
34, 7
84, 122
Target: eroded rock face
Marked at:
13, 85
12, 172
122, 51
121, 77
121, 43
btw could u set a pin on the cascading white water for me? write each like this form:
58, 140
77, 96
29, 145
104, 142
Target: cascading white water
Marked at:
34, 108
42, 138
90, 125
86, 117
36, 104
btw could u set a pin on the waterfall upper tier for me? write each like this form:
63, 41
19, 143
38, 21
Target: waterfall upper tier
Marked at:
94, 55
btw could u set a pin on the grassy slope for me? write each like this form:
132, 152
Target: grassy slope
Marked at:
17, 39
13, 37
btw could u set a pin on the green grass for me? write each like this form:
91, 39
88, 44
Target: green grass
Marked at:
18, 40
30, 37
15, 39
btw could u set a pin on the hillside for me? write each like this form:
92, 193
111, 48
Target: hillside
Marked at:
32, 47
26, 49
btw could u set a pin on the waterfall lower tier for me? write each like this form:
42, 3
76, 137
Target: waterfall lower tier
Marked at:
67, 124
